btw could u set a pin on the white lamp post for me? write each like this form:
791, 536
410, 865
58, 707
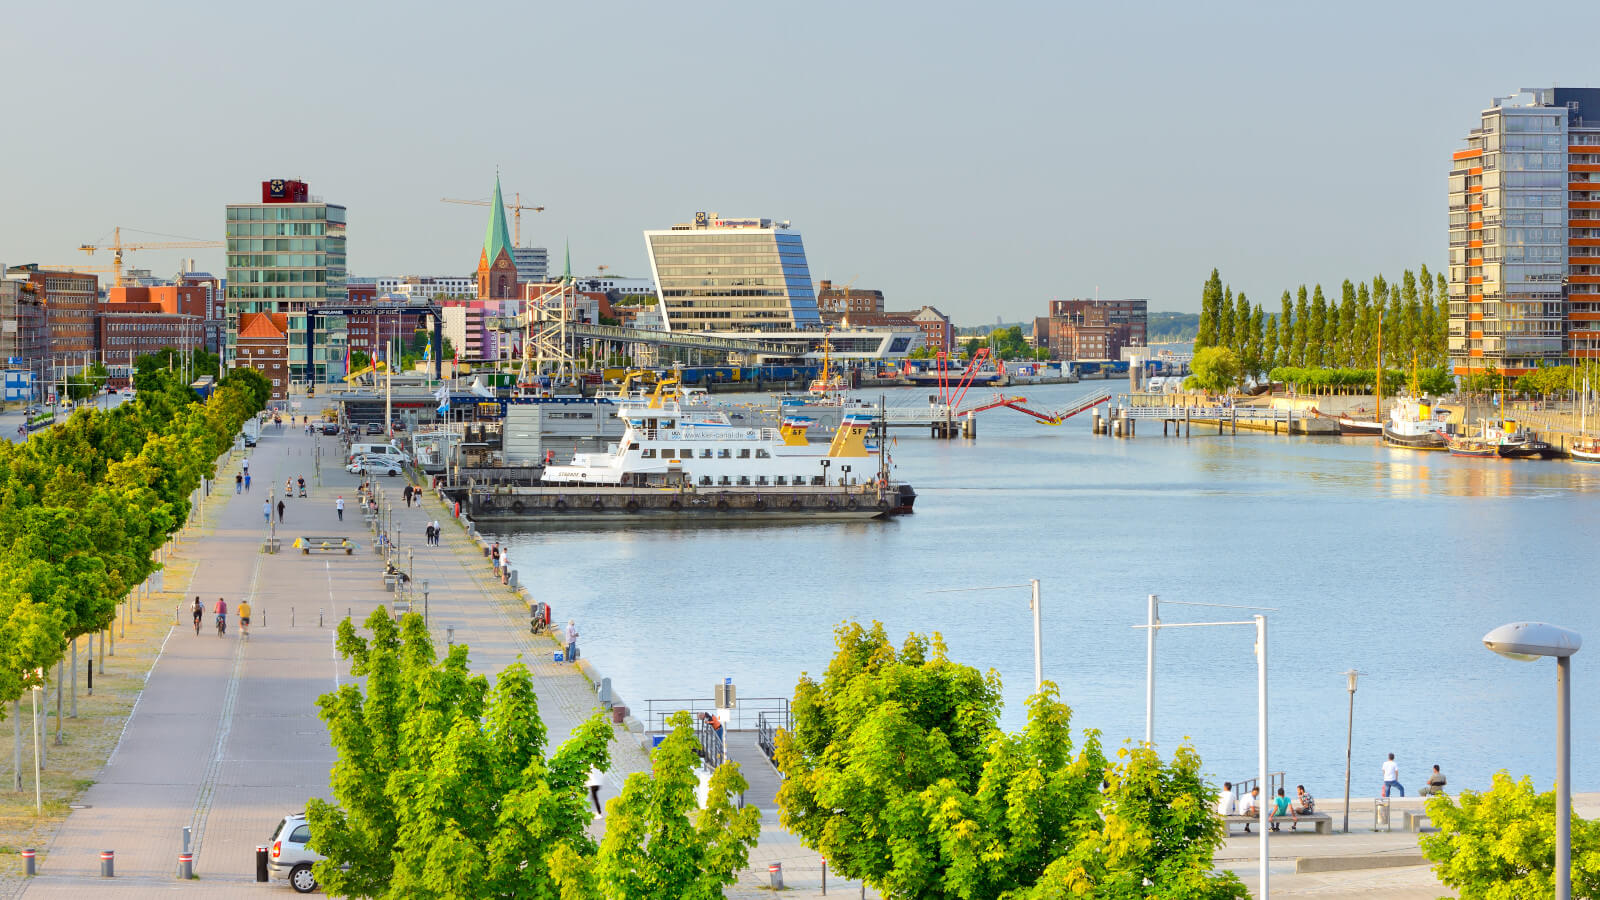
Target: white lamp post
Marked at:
1528, 641
1349, 734
1033, 603
1260, 623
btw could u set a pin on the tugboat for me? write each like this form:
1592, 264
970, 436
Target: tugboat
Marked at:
1519, 443
1416, 424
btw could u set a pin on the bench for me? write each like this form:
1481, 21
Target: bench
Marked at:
309, 543
1321, 822
1417, 820
271, 544
389, 581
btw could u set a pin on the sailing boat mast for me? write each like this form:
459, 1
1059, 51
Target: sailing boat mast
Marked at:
1379, 414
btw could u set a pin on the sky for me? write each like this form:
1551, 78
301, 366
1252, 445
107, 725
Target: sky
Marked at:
982, 158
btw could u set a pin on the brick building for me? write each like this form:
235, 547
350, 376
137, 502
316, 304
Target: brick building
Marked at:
70, 301
24, 337
127, 330
835, 302
1093, 329
262, 344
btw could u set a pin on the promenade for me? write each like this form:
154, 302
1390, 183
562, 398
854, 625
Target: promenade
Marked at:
225, 738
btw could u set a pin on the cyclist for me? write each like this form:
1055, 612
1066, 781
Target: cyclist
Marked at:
221, 610
199, 610
302, 485
244, 618
288, 487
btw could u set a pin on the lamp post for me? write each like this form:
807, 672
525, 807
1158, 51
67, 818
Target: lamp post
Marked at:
1349, 733
424, 603
1528, 641
1260, 624
1033, 603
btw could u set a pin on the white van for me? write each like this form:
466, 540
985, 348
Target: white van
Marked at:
360, 449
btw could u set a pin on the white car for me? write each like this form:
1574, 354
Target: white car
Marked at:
287, 854
375, 465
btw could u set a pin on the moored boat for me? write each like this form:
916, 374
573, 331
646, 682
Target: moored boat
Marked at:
1360, 427
1416, 424
1585, 450
1473, 447
1520, 443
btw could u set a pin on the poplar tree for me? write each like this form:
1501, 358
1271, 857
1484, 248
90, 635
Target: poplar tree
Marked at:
1395, 336
1365, 323
1269, 344
1225, 320
1257, 351
1417, 329
1210, 305
1347, 325
1317, 330
1284, 355
1302, 321
1242, 331
1442, 318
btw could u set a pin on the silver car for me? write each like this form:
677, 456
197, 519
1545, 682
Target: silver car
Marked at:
289, 857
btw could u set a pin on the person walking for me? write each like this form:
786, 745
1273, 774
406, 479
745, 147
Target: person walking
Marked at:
247, 466
428, 532
339, 505
436, 533
266, 511
238, 482
572, 640
247, 482
1391, 777
406, 494
280, 512
596, 778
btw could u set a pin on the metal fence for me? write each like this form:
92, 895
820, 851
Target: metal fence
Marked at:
767, 726
746, 713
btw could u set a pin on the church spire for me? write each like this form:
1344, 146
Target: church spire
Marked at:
496, 237
566, 275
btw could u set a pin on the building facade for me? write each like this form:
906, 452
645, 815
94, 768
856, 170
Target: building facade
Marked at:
129, 330
263, 343
1524, 207
24, 335
834, 302
427, 287
215, 313
717, 274
1094, 329
286, 255
70, 302
533, 263
497, 268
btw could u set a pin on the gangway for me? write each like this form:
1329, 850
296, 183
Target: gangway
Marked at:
946, 419
1048, 417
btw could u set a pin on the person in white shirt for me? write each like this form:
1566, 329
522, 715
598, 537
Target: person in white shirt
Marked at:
1225, 804
1250, 806
572, 641
1391, 777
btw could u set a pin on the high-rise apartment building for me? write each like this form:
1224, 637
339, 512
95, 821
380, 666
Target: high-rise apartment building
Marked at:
1524, 196
533, 263
717, 274
286, 255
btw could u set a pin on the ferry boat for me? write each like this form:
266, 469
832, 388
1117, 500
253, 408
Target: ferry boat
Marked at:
1518, 442
678, 461
1416, 424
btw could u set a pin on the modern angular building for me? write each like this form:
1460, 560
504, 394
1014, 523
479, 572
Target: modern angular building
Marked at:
286, 255
1524, 198
717, 274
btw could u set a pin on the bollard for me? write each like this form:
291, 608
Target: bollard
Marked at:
186, 866
450, 636
605, 692
108, 859
88, 666
348, 613
261, 863
263, 617
291, 617
775, 873
29, 865
319, 617
824, 878
513, 579
186, 839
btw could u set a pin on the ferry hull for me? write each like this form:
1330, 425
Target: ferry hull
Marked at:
1527, 450
629, 505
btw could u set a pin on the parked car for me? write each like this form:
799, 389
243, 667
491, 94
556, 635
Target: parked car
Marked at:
376, 465
330, 427
288, 856
374, 428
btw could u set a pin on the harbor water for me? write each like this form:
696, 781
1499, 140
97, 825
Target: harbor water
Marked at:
1392, 562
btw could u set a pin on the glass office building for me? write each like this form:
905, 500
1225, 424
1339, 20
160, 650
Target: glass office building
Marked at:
288, 257
719, 274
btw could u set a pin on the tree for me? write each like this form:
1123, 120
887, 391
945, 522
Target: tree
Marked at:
659, 845
1317, 331
1269, 344
1225, 324
1210, 311
1500, 844
1348, 314
1285, 352
1216, 369
1302, 321
897, 772
359, 360
1362, 350
1256, 350
1242, 333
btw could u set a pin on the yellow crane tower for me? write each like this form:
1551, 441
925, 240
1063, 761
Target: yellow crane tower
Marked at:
515, 206
117, 248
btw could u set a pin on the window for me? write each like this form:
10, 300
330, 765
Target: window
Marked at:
762, 454
782, 481
744, 453
705, 479
724, 480
724, 453
648, 454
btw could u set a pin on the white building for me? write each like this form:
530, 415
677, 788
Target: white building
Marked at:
427, 287
533, 263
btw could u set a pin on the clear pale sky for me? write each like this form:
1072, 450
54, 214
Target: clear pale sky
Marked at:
983, 158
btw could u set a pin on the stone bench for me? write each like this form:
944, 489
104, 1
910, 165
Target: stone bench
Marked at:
271, 544
309, 543
1322, 822
1416, 820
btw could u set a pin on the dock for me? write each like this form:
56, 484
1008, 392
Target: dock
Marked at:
1181, 420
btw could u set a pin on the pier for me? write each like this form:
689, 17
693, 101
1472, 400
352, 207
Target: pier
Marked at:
949, 420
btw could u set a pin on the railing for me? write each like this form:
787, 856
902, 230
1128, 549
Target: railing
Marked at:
746, 714
1274, 782
1226, 413
767, 726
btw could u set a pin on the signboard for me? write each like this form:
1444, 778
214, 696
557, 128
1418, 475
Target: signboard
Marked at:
700, 219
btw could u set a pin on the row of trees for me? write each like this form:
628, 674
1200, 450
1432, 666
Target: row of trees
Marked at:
1312, 330
443, 789
1004, 343
85, 504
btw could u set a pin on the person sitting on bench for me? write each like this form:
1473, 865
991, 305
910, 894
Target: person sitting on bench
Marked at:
1281, 807
1251, 806
1304, 805
1225, 803
1436, 782
399, 575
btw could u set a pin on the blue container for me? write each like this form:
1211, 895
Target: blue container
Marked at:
558, 656
656, 739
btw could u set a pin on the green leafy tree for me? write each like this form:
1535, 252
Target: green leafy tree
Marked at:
1500, 844
1210, 311
359, 360
1348, 314
1317, 331
1242, 333
1269, 344
1225, 326
896, 771
1396, 339
1361, 350
1216, 369
1256, 350
659, 844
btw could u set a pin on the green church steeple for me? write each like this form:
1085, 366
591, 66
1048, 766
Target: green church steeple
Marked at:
496, 237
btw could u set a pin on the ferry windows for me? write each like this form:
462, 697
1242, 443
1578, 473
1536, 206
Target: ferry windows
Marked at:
648, 454
633, 446
669, 453
705, 479
762, 454
706, 453
724, 454
744, 479
818, 481
782, 480
762, 480
744, 453
724, 480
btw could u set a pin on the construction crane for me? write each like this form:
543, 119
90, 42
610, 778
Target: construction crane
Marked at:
117, 248
515, 206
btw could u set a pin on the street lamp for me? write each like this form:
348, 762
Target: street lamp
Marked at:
424, 604
1528, 641
1033, 603
1260, 623
1349, 732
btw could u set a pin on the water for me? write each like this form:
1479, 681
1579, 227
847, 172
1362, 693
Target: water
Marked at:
1392, 562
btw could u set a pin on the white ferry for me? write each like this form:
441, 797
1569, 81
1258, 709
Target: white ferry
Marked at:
1416, 424
668, 444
